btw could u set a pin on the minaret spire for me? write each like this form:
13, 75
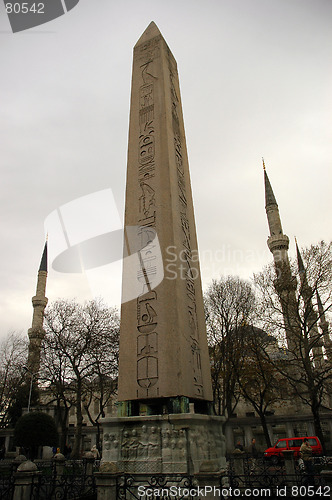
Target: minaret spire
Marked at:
324, 327
43, 262
299, 259
278, 244
39, 301
310, 313
269, 195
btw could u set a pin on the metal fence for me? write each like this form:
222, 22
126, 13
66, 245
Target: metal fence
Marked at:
244, 477
64, 487
7, 469
138, 486
258, 474
74, 479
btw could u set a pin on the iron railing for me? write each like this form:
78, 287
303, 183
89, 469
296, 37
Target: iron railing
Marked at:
138, 486
251, 478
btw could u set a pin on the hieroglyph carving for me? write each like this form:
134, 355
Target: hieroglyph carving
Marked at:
186, 242
147, 304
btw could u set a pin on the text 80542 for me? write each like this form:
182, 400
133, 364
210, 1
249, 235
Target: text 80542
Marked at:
24, 8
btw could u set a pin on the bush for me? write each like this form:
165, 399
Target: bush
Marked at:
35, 429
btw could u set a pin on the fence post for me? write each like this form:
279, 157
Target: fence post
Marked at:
18, 460
211, 483
59, 461
26, 472
106, 483
326, 475
290, 466
238, 463
237, 474
89, 460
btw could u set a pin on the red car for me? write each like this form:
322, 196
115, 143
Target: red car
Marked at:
275, 453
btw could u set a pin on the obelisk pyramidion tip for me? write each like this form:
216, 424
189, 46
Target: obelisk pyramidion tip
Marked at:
151, 31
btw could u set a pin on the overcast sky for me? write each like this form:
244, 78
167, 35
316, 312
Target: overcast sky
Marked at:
256, 79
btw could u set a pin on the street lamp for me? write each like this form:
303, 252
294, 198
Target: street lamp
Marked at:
30, 391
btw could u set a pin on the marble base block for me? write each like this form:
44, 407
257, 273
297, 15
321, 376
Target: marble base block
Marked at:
175, 443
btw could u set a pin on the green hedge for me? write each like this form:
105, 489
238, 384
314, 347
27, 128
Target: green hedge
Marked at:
35, 429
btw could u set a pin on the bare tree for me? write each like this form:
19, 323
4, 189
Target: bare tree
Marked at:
307, 365
101, 386
240, 352
98, 394
257, 377
13, 358
81, 342
55, 376
229, 304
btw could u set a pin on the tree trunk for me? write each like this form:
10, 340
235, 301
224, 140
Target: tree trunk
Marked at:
265, 430
63, 417
317, 425
79, 420
98, 435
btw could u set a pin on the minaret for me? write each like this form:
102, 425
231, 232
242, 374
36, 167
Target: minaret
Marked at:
324, 327
310, 313
36, 332
285, 283
277, 242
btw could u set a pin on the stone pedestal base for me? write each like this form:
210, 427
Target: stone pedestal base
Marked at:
175, 443
106, 485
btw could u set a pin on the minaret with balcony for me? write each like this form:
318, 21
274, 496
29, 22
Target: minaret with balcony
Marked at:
36, 333
285, 282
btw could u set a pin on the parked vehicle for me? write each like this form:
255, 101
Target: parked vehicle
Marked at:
275, 453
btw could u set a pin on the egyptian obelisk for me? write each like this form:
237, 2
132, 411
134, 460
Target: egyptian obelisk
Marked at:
163, 344
164, 422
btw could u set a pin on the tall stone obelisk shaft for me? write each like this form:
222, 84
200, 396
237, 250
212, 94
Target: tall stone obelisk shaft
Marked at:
164, 364
163, 344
